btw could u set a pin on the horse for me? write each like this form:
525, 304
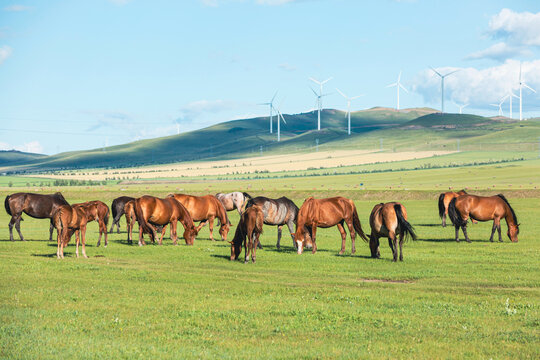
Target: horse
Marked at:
235, 200
250, 226
38, 206
117, 209
205, 209
389, 220
277, 212
150, 211
325, 213
67, 220
129, 210
444, 201
99, 211
483, 208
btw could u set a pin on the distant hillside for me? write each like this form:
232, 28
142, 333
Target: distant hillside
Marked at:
408, 129
9, 157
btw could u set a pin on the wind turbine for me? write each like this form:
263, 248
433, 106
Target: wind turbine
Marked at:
442, 85
499, 105
461, 107
510, 95
348, 109
177, 127
271, 104
521, 85
398, 85
319, 100
279, 115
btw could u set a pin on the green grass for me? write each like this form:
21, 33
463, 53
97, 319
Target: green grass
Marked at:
446, 300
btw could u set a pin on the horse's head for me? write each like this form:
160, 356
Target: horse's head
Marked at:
189, 234
513, 231
224, 230
374, 247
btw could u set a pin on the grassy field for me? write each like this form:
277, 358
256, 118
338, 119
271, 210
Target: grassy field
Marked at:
446, 300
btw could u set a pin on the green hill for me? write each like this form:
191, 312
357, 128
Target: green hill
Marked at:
10, 157
409, 129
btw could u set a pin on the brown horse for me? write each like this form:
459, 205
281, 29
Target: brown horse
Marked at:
444, 201
205, 209
129, 210
151, 211
117, 209
250, 226
483, 208
67, 220
325, 213
389, 220
38, 206
99, 211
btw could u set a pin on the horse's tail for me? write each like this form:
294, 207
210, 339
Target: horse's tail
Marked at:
113, 209
511, 209
455, 215
106, 219
357, 225
441, 205
6, 204
259, 221
60, 229
141, 220
404, 226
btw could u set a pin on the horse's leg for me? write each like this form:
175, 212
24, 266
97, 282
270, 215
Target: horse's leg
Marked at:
352, 233
279, 232
401, 246
174, 233
211, 228
313, 238
104, 230
464, 228
18, 227
201, 225
141, 238
493, 228
290, 225
498, 222
343, 237
444, 217
83, 239
77, 242
392, 240
51, 229
59, 240
247, 248
255, 241
99, 238
11, 223
457, 232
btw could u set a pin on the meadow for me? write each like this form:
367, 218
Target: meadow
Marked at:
445, 300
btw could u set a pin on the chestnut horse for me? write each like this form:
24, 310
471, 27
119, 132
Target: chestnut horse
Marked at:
444, 201
38, 206
483, 208
67, 220
235, 200
389, 220
99, 211
151, 211
250, 226
129, 210
117, 209
325, 213
205, 209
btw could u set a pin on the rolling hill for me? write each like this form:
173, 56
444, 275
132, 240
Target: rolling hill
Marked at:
10, 157
409, 129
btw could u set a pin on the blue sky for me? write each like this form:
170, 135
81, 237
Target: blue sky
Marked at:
84, 74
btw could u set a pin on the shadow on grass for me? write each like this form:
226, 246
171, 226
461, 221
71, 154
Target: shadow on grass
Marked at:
454, 241
27, 240
354, 256
429, 225
228, 258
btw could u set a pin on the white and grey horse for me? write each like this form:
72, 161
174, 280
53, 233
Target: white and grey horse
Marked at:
235, 200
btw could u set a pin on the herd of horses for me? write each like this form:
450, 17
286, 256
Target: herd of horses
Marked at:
154, 214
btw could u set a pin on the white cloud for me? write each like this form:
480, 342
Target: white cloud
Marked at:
215, 3
5, 52
287, 67
500, 52
16, 8
480, 87
195, 109
31, 147
120, 2
518, 28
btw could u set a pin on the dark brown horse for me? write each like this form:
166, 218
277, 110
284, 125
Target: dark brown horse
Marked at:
282, 211
117, 209
152, 211
389, 220
483, 208
444, 201
67, 220
205, 209
247, 233
325, 213
38, 206
99, 211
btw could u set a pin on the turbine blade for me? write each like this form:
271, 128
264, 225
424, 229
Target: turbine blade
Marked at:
315, 81
528, 87
450, 73
436, 72
327, 80
403, 87
342, 94
399, 76
314, 91
273, 97
356, 97
392, 85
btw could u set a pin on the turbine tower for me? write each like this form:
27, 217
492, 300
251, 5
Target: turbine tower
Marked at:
271, 104
398, 85
499, 105
279, 115
521, 85
442, 85
510, 95
461, 107
319, 99
349, 109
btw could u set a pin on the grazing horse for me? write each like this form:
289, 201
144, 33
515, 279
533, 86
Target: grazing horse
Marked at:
129, 210
99, 211
277, 212
444, 201
38, 206
151, 211
67, 220
483, 208
205, 209
325, 213
250, 226
389, 220
235, 200
117, 209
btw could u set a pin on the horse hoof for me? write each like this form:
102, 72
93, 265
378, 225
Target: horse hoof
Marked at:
341, 252
469, 241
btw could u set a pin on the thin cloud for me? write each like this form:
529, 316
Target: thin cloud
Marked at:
5, 52
500, 52
287, 67
18, 8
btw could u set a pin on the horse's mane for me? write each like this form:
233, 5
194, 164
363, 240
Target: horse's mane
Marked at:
59, 196
511, 210
463, 191
221, 209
